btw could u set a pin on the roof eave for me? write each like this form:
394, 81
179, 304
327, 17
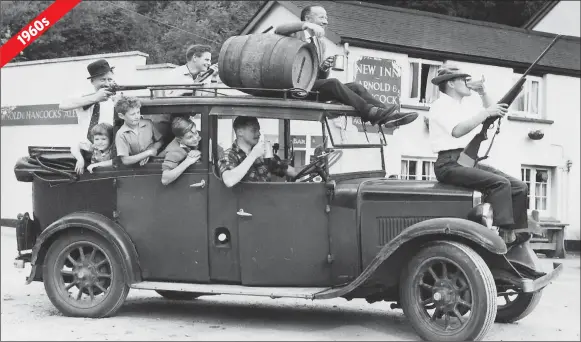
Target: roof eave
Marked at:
263, 11
257, 17
433, 54
540, 15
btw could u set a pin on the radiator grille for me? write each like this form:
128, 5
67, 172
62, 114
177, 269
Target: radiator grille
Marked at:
389, 227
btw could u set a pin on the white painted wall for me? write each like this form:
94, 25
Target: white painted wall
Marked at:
512, 147
564, 18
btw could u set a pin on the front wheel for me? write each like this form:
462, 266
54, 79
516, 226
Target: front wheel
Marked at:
448, 293
83, 275
513, 304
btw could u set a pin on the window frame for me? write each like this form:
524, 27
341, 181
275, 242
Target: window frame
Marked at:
532, 196
419, 168
415, 101
526, 93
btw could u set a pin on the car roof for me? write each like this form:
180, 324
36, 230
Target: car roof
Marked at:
274, 108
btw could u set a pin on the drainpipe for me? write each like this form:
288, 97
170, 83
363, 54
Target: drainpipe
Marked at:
564, 186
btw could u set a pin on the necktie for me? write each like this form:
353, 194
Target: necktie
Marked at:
94, 119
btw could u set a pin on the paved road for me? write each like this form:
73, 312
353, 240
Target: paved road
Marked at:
27, 314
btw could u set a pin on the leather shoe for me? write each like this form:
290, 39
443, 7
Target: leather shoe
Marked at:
400, 119
520, 239
377, 115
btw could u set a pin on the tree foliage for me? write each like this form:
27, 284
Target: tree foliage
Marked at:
164, 29
508, 12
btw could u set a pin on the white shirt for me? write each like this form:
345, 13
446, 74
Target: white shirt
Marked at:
445, 114
182, 75
106, 111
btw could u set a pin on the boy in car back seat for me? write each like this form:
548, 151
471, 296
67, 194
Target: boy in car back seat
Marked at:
138, 139
182, 151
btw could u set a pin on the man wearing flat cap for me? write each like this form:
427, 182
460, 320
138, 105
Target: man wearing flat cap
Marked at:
92, 109
453, 124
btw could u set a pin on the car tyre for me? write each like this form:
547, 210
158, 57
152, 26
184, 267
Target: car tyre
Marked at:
178, 295
90, 267
517, 305
453, 281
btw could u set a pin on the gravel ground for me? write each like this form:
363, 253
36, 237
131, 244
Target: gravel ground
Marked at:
27, 314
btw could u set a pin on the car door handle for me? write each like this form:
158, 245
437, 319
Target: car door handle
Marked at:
242, 213
201, 184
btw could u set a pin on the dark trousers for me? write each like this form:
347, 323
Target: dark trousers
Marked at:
507, 195
352, 94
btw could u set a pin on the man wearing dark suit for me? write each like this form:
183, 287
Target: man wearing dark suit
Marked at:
311, 29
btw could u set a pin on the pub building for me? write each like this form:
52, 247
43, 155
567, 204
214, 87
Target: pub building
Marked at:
394, 53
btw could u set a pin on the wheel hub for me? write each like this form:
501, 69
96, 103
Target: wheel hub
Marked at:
86, 275
444, 294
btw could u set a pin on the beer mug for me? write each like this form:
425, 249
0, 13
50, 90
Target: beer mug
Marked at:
338, 62
475, 84
267, 150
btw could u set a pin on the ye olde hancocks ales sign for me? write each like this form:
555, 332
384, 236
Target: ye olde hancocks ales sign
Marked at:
382, 78
44, 114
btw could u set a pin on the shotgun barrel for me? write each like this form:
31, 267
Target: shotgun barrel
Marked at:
469, 156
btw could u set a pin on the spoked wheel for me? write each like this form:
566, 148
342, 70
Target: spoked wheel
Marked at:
513, 305
178, 295
83, 276
448, 293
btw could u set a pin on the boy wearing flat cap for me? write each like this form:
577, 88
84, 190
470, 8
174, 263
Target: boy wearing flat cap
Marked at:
92, 109
453, 124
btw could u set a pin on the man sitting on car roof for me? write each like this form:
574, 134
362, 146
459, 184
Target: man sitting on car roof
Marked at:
245, 161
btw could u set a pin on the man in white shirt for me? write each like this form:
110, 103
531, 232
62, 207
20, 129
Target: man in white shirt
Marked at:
311, 29
92, 109
198, 69
453, 124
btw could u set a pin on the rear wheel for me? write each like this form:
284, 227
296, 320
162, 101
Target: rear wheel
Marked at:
83, 275
513, 305
448, 293
178, 295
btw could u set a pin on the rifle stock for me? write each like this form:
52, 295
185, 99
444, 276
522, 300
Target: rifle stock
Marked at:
469, 156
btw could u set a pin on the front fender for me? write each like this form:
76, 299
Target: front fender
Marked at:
97, 223
438, 228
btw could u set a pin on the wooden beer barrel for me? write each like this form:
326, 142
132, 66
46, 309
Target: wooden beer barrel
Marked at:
267, 61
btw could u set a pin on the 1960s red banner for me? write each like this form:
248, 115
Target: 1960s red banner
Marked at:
35, 29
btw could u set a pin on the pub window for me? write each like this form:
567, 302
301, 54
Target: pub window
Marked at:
538, 181
417, 169
420, 88
529, 102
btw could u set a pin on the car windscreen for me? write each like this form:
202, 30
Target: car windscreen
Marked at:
360, 150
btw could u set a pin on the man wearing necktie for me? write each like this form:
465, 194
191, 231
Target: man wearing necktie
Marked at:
311, 29
91, 109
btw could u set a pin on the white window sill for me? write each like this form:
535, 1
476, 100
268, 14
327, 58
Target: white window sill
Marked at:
529, 119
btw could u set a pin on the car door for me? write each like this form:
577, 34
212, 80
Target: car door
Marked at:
283, 234
167, 223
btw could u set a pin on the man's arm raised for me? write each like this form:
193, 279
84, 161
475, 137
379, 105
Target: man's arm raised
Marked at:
290, 28
87, 100
235, 175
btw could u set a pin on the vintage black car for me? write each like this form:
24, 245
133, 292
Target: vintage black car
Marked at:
427, 247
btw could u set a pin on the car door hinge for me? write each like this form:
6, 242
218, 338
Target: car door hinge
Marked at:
327, 208
116, 214
115, 182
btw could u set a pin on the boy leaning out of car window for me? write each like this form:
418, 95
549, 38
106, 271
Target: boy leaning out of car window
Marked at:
182, 151
138, 139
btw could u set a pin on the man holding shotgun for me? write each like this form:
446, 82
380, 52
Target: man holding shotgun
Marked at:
452, 127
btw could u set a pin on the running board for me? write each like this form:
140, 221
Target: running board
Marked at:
272, 292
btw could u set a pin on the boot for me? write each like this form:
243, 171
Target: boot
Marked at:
399, 119
377, 115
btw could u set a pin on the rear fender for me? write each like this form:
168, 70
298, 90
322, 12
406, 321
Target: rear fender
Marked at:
94, 222
456, 229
